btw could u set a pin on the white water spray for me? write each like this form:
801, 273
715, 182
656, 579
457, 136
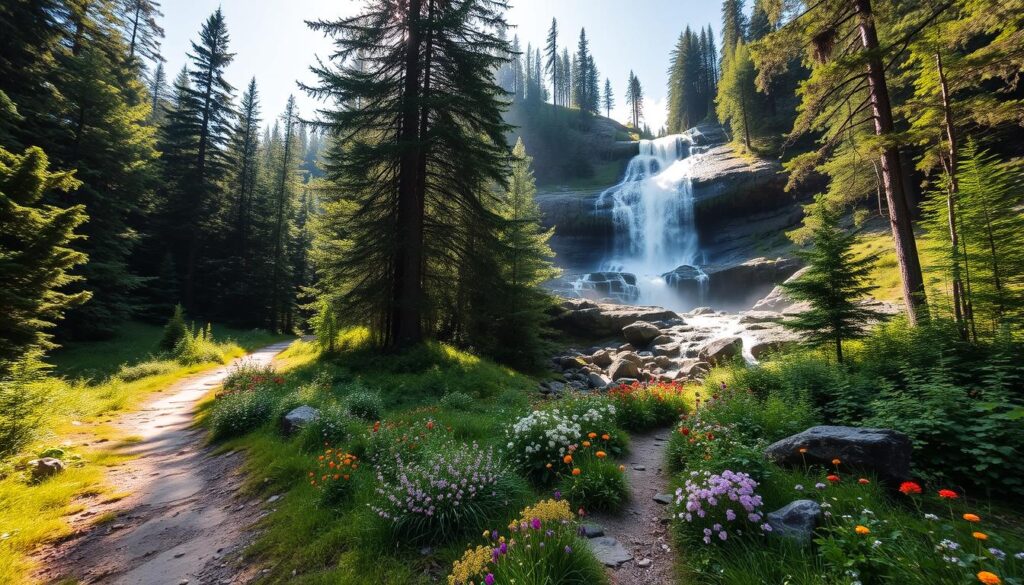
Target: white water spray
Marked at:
652, 209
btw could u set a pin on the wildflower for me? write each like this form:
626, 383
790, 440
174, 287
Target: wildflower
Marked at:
430, 425
862, 530
980, 535
487, 533
798, 487
622, 468
908, 488
819, 485
586, 443
567, 459
548, 466
989, 578
930, 517
972, 518
576, 471
863, 481
557, 495
568, 550
998, 554
947, 494
592, 435
1019, 556
835, 461
684, 431
605, 437
535, 523
803, 450
489, 579
601, 454
833, 478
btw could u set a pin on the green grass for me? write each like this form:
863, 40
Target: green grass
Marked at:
82, 400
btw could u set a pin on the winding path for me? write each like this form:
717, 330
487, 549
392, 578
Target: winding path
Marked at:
641, 528
184, 517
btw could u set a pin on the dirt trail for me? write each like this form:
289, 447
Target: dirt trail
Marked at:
184, 517
640, 528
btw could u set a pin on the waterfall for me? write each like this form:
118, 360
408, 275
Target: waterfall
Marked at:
652, 210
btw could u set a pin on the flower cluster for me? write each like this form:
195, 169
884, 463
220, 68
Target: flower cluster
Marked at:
439, 497
718, 502
410, 439
544, 437
643, 405
547, 511
336, 470
248, 376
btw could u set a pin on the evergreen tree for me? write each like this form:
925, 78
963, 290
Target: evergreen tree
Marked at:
759, 25
38, 257
140, 26
518, 75
736, 95
832, 285
281, 291
404, 227
635, 99
568, 72
585, 83
609, 98
733, 27
157, 87
553, 61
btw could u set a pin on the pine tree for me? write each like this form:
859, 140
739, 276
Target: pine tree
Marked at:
567, 77
733, 27
281, 290
832, 285
157, 87
518, 75
609, 98
141, 29
402, 220
635, 99
37, 253
553, 62
585, 84
736, 95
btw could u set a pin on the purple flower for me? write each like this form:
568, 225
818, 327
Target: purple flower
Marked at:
503, 548
489, 579
568, 550
558, 495
535, 523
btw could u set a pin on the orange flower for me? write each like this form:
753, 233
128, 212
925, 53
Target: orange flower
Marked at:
972, 518
989, 578
863, 481
947, 494
576, 471
622, 468
803, 450
835, 461
862, 530
833, 478
336, 476
567, 459
586, 443
605, 437
601, 454
909, 488
548, 466
980, 535
591, 435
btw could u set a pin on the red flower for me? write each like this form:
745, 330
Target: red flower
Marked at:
948, 494
863, 481
909, 488
685, 431
833, 478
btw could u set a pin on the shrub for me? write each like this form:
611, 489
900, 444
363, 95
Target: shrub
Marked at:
600, 485
715, 506
774, 417
145, 369
538, 441
21, 401
333, 427
382, 441
248, 376
458, 491
198, 348
365, 404
698, 445
641, 406
174, 331
542, 548
241, 412
336, 476
457, 401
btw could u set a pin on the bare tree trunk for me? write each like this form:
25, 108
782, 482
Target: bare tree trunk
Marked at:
951, 197
892, 175
406, 324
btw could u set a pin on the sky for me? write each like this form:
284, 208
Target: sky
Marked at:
271, 41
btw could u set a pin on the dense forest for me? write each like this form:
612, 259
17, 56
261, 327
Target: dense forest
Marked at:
382, 261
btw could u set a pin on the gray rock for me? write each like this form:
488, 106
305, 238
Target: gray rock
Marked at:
602, 358
585, 318
701, 311
668, 349
609, 551
626, 381
884, 452
796, 520
591, 530
721, 351
661, 340
599, 381
45, 467
760, 317
623, 368
663, 362
640, 333
663, 499
644, 563
298, 418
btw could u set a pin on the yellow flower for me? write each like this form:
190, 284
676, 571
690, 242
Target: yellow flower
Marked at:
862, 530
472, 564
989, 578
972, 518
547, 511
980, 535
622, 468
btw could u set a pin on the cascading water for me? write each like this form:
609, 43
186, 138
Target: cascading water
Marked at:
652, 209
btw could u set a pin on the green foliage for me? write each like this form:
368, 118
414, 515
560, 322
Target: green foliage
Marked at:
564, 559
22, 398
641, 407
325, 327
692, 80
198, 347
131, 373
600, 486
38, 256
833, 284
335, 426
239, 413
175, 330
736, 99
457, 401
364, 404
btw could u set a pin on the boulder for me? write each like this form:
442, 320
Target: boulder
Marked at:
884, 452
602, 358
669, 349
609, 551
620, 286
760, 317
640, 333
552, 387
599, 381
591, 530
701, 311
45, 467
630, 357
731, 285
298, 418
777, 299
695, 369
664, 362
796, 520
721, 351
582, 318
623, 368
661, 340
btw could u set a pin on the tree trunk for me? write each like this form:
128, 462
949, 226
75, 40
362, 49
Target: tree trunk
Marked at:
951, 198
892, 173
406, 321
